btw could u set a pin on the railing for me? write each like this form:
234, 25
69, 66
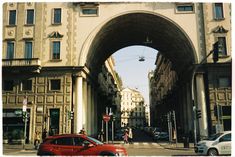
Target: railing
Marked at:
21, 62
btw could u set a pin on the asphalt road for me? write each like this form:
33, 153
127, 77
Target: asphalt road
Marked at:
142, 145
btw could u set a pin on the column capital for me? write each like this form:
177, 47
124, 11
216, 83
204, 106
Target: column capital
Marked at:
83, 72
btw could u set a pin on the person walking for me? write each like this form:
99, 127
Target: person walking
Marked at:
82, 131
125, 137
44, 134
130, 136
101, 135
36, 139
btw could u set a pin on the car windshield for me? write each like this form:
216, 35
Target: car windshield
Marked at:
95, 140
214, 137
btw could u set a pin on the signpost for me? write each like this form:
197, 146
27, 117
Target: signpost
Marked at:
106, 118
24, 109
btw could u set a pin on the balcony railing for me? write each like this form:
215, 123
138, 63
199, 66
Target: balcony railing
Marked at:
21, 62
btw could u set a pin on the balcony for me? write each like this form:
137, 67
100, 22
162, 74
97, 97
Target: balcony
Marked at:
21, 65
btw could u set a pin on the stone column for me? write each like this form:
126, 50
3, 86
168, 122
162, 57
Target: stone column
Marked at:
95, 104
89, 127
84, 106
92, 111
78, 104
201, 104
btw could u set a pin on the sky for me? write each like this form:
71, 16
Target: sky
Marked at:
134, 74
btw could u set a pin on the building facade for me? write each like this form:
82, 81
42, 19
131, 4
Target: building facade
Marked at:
52, 54
39, 68
132, 109
215, 102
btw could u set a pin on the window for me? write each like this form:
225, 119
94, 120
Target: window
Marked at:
219, 13
12, 17
55, 84
57, 16
90, 11
222, 41
224, 82
8, 85
30, 17
225, 138
64, 141
185, 8
80, 141
26, 85
56, 50
28, 49
10, 50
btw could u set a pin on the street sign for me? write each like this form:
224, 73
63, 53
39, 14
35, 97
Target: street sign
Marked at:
24, 105
24, 108
106, 118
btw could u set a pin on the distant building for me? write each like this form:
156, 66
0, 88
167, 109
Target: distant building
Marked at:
132, 108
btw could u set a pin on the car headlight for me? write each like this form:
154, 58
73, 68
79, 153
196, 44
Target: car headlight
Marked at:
201, 144
120, 152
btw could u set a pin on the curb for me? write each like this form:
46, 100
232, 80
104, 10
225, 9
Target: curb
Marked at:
168, 146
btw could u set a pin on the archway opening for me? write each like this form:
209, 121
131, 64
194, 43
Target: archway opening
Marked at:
133, 29
162, 35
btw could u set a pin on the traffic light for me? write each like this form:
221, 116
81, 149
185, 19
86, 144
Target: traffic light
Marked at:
71, 114
217, 48
198, 114
113, 118
25, 116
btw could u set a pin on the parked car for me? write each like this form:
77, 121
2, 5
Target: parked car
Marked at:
78, 144
162, 136
119, 135
218, 144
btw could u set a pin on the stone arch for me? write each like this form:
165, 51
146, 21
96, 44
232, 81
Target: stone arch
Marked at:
126, 30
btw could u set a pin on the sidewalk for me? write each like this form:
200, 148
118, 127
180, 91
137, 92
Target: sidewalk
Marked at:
18, 147
180, 146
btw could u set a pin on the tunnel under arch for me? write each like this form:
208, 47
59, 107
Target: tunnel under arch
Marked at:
132, 29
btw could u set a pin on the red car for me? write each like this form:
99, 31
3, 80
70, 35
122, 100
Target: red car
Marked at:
77, 144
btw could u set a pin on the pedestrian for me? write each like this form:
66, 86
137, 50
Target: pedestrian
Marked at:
36, 139
44, 134
101, 135
130, 136
82, 131
125, 137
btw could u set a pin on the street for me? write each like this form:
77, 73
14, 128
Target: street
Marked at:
135, 149
142, 145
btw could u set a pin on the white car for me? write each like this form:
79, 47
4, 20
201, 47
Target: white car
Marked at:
218, 144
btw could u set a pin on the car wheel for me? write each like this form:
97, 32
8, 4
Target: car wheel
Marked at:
47, 154
212, 152
107, 154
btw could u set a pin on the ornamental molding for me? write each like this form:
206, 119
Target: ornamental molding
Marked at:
220, 29
55, 35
